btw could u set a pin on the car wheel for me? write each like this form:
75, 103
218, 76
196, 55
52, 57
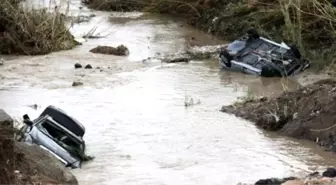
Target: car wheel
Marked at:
295, 51
269, 72
253, 34
225, 58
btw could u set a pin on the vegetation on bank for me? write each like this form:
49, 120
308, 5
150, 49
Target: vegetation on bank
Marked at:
32, 32
310, 24
117, 5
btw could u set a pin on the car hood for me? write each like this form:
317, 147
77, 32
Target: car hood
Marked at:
50, 145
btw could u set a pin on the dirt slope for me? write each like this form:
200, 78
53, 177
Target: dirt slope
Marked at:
24, 164
308, 113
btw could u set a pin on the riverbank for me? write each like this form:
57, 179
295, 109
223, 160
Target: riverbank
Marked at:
307, 113
328, 177
25, 164
31, 31
295, 22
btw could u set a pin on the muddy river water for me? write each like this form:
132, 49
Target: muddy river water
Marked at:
136, 124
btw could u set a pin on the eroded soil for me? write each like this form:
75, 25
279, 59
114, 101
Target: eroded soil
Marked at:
21, 163
307, 113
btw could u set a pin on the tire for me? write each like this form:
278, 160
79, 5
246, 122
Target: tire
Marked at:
253, 34
226, 58
269, 72
295, 51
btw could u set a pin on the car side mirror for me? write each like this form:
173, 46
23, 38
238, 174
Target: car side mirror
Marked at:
27, 120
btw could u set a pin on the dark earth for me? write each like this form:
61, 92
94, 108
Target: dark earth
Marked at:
120, 50
21, 163
308, 113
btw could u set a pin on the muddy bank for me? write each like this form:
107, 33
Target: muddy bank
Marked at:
328, 177
27, 164
308, 113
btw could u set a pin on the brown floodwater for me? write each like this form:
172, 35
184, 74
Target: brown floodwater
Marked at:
136, 123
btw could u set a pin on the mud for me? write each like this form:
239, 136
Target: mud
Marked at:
6, 154
307, 113
120, 50
21, 163
315, 178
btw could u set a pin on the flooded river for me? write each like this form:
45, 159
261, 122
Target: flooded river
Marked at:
136, 123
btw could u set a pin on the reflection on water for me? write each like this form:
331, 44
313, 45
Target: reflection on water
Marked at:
137, 126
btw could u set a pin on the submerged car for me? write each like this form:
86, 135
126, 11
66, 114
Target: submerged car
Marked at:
257, 55
58, 133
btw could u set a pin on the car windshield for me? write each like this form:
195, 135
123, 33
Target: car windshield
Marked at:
64, 139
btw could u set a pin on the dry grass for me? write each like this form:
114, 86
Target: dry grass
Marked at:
116, 5
187, 7
311, 25
182, 7
32, 31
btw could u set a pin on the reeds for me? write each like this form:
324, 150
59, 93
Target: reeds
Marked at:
32, 31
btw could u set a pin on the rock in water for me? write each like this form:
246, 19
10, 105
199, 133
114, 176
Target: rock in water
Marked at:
2, 62
78, 65
75, 84
274, 181
177, 60
88, 66
121, 50
331, 172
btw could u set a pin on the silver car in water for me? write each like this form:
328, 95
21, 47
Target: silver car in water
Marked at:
52, 136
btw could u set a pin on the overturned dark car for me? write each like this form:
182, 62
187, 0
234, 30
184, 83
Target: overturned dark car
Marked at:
256, 55
58, 133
